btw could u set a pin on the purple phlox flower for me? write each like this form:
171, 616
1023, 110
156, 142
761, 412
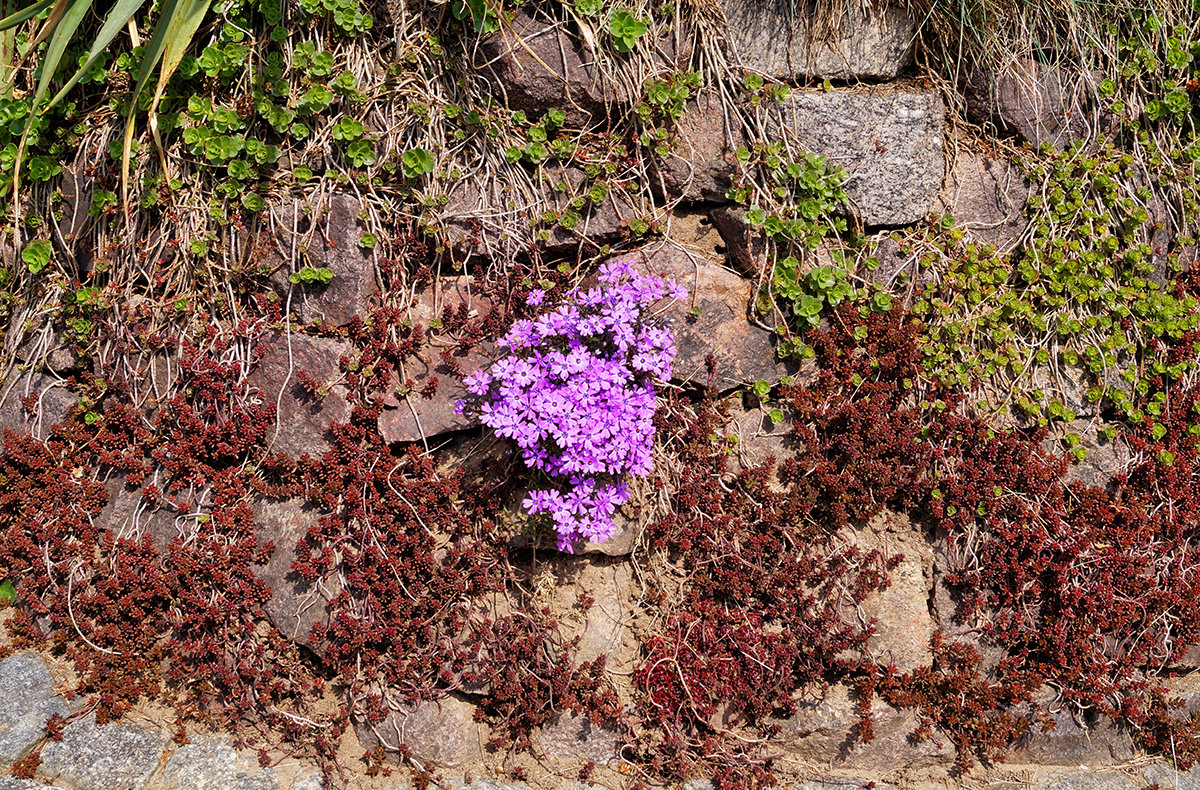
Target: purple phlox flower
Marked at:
535, 297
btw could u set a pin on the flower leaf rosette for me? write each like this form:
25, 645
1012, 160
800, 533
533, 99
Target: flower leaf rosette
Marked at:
574, 389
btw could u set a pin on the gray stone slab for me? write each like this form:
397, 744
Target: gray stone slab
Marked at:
1168, 778
887, 139
119, 756
26, 701
212, 764
1086, 780
13, 783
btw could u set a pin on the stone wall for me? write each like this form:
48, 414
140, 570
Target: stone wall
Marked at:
888, 130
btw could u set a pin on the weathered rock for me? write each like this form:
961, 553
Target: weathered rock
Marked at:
887, 138
26, 701
128, 515
986, 197
302, 419
212, 764
573, 737
1074, 740
54, 402
848, 784
411, 416
759, 439
13, 783
956, 626
790, 42
296, 605
1067, 383
1168, 778
1085, 780
535, 65
441, 732
1104, 459
603, 627
459, 784
119, 756
621, 544
1028, 99
742, 351
488, 221
899, 271
823, 731
904, 624
703, 160
329, 239
745, 245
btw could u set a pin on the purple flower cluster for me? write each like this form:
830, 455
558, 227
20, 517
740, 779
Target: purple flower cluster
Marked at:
574, 389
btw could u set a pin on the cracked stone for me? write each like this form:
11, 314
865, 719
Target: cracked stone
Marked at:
887, 139
794, 43
212, 764
302, 420
26, 700
117, 756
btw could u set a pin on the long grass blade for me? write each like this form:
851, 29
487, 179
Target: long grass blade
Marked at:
64, 32
118, 17
25, 14
172, 35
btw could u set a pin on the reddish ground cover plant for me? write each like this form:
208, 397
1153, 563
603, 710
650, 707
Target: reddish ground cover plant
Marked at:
1091, 592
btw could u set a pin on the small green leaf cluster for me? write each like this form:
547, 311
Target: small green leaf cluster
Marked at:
309, 275
626, 29
759, 90
809, 189
477, 12
544, 139
666, 98
346, 14
1084, 296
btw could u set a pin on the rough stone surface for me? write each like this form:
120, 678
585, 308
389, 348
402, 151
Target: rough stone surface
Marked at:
887, 138
986, 197
295, 605
129, 516
904, 624
1068, 383
536, 64
119, 756
1168, 778
604, 625
330, 239
1094, 741
411, 417
441, 732
822, 731
759, 438
1085, 780
703, 160
743, 352
955, 627
1105, 457
791, 43
1028, 99
26, 701
302, 420
621, 544
212, 764
745, 245
572, 737
54, 403
13, 783
491, 221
